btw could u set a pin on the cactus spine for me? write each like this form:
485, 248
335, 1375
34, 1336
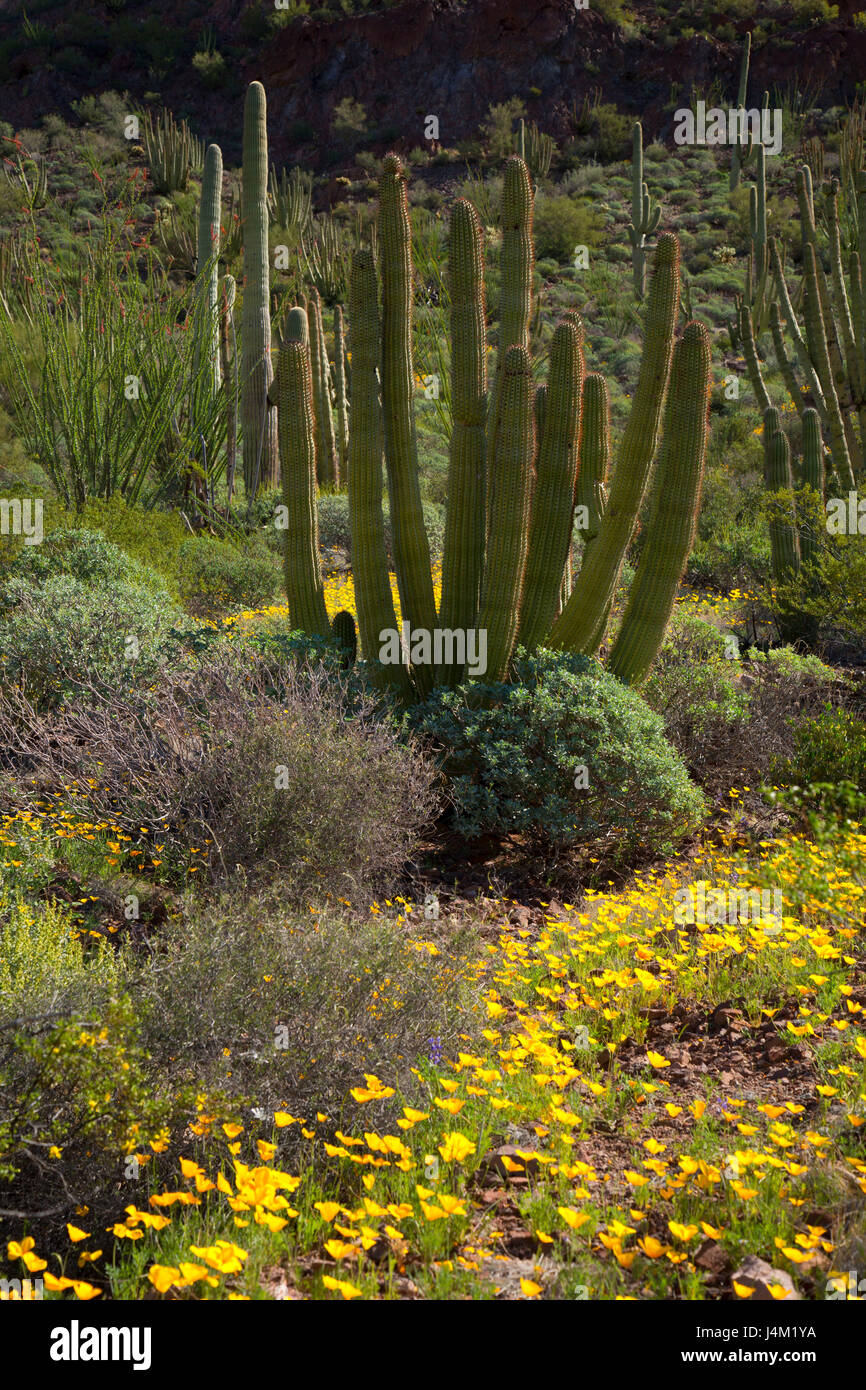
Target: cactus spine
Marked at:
260, 456
207, 263
645, 213
674, 514
411, 547
294, 391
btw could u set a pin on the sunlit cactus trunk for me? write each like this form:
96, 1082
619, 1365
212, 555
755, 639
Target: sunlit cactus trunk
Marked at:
260, 453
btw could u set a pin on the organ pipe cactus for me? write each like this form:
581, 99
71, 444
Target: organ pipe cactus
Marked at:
595, 456
645, 213
171, 150
813, 477
508, 576
260, 455
742, 90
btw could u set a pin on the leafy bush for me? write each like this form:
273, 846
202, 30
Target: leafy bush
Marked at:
518, 756
498, 126
694, 686
830, 748
213, 576
559, 225
77, 611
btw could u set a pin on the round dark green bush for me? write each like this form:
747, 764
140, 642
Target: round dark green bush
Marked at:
515, 753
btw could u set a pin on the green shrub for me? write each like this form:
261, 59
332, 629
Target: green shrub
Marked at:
559, 225
497, 128
214, 576
100, 619
830, 748
694, 685
518, 756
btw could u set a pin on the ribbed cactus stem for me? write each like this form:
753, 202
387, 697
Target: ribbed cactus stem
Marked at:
375, 605
511, 485
595, 456
816, 336
463, 555
813, 477
516, 263
326, 447
260, 455
345, 636
229, 354
553, 504
294, 392
784, 543
411, 547
578, 625
297, 327
342, 403
674, 513
741, 102
207, 265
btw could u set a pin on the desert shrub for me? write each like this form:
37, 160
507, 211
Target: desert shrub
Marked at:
150, 536
694, 685
80, 553
559, 225
612, 134
304, 1004
515, 756
498, 126
245, 761
827, 768
213, 576
101, 619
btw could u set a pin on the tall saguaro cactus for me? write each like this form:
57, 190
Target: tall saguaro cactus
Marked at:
645, 213
207, 263
260, 455
411, 547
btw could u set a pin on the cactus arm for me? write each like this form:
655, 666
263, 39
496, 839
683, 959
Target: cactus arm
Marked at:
340, 391
369, 557
784, 542
553, 504
674, 513
742, 89
326, 449
260, 456
813, 477
304, 589
517, 259
511, 484
577, 625
411, 547
463, 557
207, 263
817, 339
